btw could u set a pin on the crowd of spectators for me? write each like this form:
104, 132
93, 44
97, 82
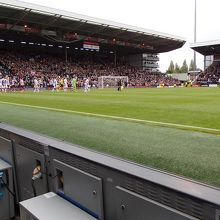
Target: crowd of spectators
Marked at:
20, 66
211, 75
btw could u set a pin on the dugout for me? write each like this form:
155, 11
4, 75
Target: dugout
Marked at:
107, 187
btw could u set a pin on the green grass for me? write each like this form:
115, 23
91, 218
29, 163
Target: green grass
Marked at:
189, 106
184, 152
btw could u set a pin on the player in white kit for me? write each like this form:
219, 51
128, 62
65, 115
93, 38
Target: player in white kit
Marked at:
7, 84
22, 85
36, 85
55, 84
65, 85
86, 85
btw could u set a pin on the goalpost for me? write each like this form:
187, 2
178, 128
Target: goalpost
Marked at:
111, 81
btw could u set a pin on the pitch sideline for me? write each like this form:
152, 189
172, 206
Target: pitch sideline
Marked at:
117, 117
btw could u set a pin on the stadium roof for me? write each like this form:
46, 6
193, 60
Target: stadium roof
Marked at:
207, 48
60, 25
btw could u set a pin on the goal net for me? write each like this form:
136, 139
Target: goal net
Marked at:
111, 81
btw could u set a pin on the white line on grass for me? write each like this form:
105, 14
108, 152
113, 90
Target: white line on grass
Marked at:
116, 117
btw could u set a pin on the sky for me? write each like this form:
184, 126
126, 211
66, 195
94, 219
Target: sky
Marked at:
174, 17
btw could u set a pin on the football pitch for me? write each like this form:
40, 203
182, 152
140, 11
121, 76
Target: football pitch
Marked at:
171, 129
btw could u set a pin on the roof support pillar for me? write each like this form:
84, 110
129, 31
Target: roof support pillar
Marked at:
195, 23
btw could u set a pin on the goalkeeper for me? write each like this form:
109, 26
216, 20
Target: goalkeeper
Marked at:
74, 81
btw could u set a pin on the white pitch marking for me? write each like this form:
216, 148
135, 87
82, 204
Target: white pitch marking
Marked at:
116, 117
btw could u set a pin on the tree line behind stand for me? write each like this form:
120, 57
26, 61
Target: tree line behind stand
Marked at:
183, 69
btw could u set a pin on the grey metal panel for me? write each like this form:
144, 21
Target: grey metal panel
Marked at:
194, 189
4, 165
217, 216
51, 207
6, 199
131, 206
177, 183
112, 178
6, 150
82, 187
25, 164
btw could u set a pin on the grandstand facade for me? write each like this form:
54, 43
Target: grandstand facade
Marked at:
21, 21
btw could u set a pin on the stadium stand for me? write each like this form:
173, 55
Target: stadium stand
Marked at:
211, 75
18, 65
56, 37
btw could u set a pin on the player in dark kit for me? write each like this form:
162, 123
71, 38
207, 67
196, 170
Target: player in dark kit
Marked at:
119, 85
